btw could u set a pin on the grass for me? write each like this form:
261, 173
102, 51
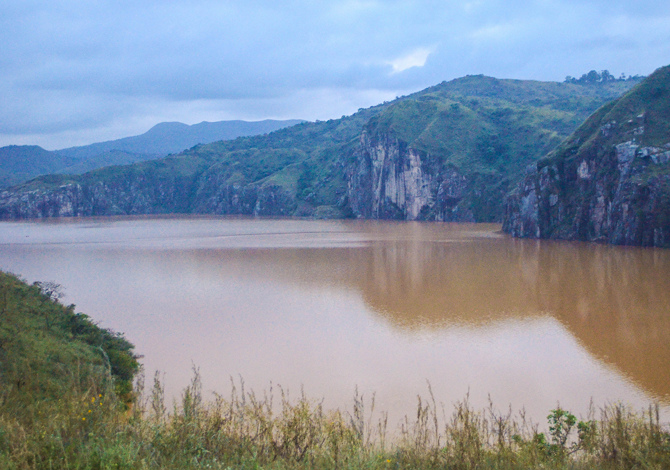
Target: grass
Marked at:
47, 350
90, 429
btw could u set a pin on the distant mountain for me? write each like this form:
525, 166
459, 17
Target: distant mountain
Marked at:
609, 181
449, 153
173, 137
21, 163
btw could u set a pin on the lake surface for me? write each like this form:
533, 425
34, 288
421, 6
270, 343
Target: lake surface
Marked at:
385, 307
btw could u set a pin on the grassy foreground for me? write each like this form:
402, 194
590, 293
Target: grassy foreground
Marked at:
64, 403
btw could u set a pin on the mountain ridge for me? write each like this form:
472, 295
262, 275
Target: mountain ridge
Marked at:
171, 137
19, 163
449, 152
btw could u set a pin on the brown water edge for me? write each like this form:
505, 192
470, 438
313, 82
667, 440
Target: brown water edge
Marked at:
382, 305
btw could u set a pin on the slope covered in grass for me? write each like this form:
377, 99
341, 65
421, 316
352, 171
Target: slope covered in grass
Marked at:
47, 350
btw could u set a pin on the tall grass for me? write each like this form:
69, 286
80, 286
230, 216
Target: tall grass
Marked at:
92, 429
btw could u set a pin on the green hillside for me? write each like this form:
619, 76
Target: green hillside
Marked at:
20, 163
485, 129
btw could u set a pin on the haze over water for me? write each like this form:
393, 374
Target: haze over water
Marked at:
383, 306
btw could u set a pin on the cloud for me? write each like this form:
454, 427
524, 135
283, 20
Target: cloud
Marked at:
416, 58
77, 68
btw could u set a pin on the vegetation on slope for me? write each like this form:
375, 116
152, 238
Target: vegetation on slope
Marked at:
22, 163
648, 105
48, 351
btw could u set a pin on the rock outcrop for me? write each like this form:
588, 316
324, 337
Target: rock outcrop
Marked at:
143, 194
391, 180
609, 182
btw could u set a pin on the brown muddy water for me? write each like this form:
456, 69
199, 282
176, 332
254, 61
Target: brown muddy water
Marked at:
385, 307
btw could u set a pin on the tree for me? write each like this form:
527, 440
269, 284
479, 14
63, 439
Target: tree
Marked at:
591, 77
606, 76
50, 289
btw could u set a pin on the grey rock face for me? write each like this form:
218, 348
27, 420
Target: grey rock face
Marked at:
390, 180
621, 199
609, 181
146, 195
137, 195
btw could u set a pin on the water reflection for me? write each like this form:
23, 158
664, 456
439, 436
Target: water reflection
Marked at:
378, 304
614, 300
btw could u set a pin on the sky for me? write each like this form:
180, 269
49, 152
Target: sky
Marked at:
74, 72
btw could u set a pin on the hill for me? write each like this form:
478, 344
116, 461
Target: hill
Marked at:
609, 181
450, 152
22, 163
19, 163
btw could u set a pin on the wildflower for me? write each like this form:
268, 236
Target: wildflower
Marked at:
83, 419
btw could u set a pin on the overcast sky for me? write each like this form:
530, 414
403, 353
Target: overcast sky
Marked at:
76, 72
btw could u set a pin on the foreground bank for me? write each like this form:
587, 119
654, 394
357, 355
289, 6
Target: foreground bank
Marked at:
64, 403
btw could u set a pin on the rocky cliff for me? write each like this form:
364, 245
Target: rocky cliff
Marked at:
452, 152
146, 194
609, 181
391, 180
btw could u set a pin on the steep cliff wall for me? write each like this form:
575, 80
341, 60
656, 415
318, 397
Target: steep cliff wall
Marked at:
452, 152
130, 194
610, 180
272, 200
139, 195
390, 180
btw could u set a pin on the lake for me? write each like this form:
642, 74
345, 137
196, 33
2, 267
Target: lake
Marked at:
383, 307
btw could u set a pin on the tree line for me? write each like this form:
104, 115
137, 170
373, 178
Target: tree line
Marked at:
604, 76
